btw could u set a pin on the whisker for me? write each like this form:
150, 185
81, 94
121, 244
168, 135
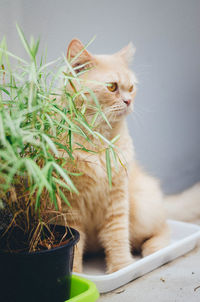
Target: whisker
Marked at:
137, 119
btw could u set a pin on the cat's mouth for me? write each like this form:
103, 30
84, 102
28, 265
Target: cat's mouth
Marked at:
121, 111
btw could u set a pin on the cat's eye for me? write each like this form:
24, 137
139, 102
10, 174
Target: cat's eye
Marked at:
131, 88
112, 86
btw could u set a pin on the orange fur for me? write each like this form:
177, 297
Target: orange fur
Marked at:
130, 214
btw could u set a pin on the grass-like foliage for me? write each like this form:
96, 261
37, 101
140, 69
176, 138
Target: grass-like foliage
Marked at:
36, 138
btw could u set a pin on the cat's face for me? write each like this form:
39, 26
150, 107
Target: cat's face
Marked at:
109, 78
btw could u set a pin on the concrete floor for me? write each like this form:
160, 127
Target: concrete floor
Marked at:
177, 281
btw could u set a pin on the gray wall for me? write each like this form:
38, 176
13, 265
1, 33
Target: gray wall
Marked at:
166, 124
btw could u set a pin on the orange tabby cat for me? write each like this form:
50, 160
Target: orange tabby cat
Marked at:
130, 214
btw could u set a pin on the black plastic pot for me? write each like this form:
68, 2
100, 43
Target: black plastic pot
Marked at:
42, 276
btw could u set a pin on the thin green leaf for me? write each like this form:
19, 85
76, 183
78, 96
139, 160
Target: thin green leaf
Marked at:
35, 48
51, 144
64, 198
104, 139
37, 174
38, 195
49, 64
114, 157
64, 175
80, 52
24, 41
63, 147
115, 139
5, 90
86, 126
85, 149
61, 183
108, 167
2, 131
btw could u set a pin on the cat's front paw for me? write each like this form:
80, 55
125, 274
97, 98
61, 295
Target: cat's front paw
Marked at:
113, 267
77, 269
77, 265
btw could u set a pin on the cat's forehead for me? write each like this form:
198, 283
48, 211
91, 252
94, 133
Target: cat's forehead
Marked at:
114, 69
110, 61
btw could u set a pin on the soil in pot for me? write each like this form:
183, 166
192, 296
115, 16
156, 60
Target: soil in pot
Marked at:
38, 276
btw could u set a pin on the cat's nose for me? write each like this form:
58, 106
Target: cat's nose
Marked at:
127, 102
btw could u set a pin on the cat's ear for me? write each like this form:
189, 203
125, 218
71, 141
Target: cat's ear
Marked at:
127, 53
77, 52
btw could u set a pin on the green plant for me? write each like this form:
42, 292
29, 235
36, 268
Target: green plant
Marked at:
37, 125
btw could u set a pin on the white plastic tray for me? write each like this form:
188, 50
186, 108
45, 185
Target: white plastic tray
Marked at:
184, 237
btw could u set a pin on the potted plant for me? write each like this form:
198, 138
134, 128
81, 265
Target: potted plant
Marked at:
36, 130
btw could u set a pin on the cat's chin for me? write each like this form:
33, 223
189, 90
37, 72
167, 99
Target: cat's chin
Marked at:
124, 112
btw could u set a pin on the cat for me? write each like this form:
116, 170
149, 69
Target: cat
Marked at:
130, 215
